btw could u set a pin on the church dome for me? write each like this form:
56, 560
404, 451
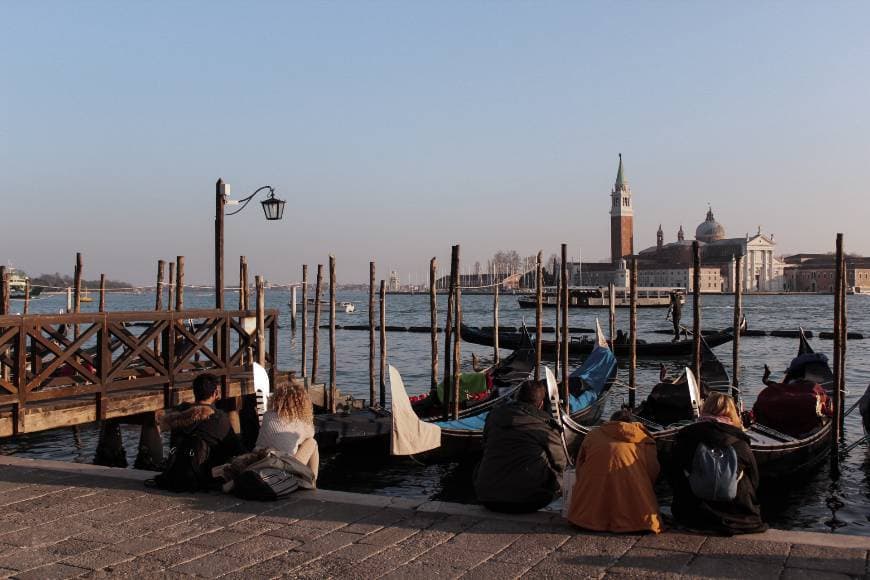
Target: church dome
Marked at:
710, 230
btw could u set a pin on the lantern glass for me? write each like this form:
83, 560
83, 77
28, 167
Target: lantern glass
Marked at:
273, 208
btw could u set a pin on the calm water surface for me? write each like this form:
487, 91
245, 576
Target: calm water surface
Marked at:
817, 502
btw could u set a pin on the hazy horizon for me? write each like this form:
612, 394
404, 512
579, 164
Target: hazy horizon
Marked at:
395, 130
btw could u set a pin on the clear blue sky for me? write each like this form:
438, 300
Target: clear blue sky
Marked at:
395, 129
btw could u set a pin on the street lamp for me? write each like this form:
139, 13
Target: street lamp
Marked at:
273, 208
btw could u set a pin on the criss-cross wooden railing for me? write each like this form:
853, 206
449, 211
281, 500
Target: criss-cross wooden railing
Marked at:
53, 358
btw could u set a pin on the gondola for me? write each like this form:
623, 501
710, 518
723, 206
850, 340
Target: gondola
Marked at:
583, 345
778, 455
370, 427
589, 388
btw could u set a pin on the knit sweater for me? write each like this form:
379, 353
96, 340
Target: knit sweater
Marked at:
283, 435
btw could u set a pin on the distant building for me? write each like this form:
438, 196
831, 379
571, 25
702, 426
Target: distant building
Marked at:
816, 273
670, 264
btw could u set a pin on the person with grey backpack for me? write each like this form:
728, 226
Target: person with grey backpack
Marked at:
713, 473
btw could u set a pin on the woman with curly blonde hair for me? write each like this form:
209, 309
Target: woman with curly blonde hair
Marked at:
288, 425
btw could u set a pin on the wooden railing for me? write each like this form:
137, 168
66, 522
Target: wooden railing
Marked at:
48, 358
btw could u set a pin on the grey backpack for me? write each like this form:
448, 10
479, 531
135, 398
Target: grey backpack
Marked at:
715, 473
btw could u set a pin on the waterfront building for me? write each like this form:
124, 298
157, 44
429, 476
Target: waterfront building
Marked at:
762, 271
815, 273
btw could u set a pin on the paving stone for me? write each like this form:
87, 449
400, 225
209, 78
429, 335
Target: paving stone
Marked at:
141, 545
252, 527
209, 566
843, 560
220, 538
73, 546
805, 574
454, 556
562, 567
107, 533
531, 548
489, 541
675, 541
137, 568
328, 543
597, 550
388, 536
98, 559
380, 519
292, 532
644, 560
52, 572
388, 560
427, 538
28, 558
746, 548
177, 554
424, 572
455, 524
492, 569
709, 566
357, 552
273, 567
323, 567
259, 548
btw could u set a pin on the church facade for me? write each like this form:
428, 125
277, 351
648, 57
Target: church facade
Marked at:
670, 264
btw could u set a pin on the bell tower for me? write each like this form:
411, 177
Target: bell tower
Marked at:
660, 238
621, 218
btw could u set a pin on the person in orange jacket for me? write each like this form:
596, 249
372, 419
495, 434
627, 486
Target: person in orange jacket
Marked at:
616, 469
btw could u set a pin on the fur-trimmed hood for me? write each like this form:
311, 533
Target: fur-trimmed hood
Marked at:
183, 417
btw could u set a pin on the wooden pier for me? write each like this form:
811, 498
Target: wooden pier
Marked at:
70, 369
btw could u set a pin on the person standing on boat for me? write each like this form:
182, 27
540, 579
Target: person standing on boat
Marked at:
616, 460
675, 311
523, 458
713, 473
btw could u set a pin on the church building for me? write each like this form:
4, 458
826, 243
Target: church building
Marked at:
670, 264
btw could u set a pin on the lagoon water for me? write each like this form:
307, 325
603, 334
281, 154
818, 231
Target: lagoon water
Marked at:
817, 502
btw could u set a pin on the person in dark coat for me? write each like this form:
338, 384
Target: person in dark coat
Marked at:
719, 426
202, 418
523, 457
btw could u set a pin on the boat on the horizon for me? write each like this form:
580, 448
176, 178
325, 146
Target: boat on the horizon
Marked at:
599, 297
18, 285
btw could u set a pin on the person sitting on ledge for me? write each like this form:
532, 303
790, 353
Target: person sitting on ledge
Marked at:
288, 425
616, 460
523, 458
713, 473
201, 438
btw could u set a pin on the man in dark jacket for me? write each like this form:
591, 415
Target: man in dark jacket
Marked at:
523, 458
742, 515
202, 419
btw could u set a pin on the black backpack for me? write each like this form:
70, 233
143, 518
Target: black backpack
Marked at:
186, 467
265, 484
715, 473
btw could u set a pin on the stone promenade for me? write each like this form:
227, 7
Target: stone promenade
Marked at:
62, 520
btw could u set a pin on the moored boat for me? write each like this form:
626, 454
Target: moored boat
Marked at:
585, 345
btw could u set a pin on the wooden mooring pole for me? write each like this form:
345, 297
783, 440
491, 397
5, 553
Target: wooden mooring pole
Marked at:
448, 336
457, 338
696, 309
261, 320
243, 283
557, 327
844, 287
838, 370
315, 331
632, 317
293, 308
179, 283
333, 394
433, 325
565, 338
304, 366
26, 296
170, 303
495, 354
611, 304
372, 391
102, 292
4, 291
77, 282
158, 299
738, 315
383, 336
539, 297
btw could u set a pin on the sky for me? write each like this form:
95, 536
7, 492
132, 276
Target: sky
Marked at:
396, 129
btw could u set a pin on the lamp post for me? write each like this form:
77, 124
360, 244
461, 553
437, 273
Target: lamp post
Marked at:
273, 208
